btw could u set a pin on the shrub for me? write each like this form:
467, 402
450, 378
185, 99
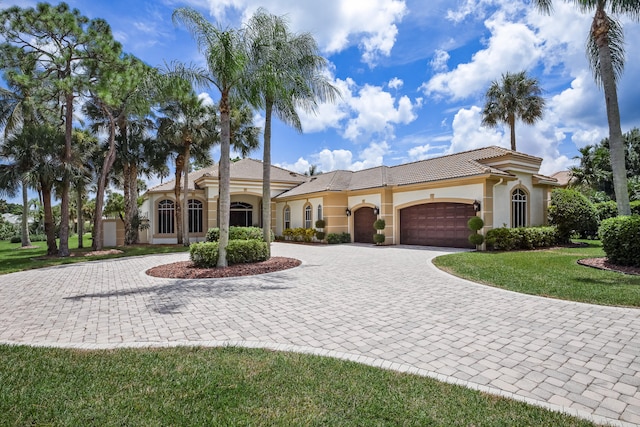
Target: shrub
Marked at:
378, 239
379, 224
320, 235
335, 238
509, 239
8, 230
246, 251
476, 239
475, 223
606, 210
38, 238
620, 240
237, 233
320, 223
572, 213
635, 207
204, 254
16, 239
299, 234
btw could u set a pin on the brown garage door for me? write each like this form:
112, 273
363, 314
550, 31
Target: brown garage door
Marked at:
436, 224
363, 230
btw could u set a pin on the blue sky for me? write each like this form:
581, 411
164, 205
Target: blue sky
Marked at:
412, 74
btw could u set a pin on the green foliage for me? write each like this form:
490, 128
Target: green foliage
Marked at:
476, 239
379, 238
475, 223
237, 233
509, 239
379, 224
8, 230
335, 238
205, 254
606, 210
320, 235
620, 239
246, 251
572, 213
299, 234
320, 223
16, 239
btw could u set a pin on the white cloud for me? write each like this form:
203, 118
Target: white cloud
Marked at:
206, 98
469, 134
341, 159
512, 47
336, 24
395, 83
439, 61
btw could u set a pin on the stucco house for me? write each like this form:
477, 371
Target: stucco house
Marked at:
426, 202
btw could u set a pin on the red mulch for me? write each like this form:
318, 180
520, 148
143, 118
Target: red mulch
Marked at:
186, 269
604, 264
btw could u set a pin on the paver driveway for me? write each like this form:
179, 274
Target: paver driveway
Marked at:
386, 306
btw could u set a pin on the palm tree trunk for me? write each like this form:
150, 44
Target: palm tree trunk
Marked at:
176, 193
512, 128
225, 180
266, 178
185, 200
49, 226
616, 143
98, 232
25, 216
130, 172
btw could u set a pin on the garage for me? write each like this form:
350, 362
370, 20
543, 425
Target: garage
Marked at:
363, 230
436, 224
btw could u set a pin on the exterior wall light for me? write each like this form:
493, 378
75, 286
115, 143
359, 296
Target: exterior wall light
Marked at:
348, 212
376, 210
476, 206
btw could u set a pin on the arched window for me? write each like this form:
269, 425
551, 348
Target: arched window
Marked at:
241, 214
308, 216
320, 212
166, 216
287, 217
519, 208
195, 216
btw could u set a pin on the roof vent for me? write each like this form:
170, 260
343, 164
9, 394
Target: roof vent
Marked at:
293, 174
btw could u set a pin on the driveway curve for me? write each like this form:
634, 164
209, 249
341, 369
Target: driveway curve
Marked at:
384, 306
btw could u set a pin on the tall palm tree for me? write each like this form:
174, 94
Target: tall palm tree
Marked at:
605, 51
186, 124
286, 72
226, 59
244, 134
515, 96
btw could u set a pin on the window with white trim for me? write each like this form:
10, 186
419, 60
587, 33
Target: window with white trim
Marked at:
166, 216
308, 216
287, 217
519, 208
320, 212
196, 216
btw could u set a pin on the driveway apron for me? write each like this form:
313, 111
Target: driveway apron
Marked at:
383, 306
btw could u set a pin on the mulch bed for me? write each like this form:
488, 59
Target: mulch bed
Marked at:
187, 270
604, 264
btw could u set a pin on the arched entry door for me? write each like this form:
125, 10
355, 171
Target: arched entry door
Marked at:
241, 214
363, 230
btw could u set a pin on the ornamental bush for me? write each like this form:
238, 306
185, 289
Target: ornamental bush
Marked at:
379, 224
522, 238
572, 213
606, 210
320, 235
299, 234
237, 233
320, 223
476, 239
475, 223
620, 241
378, 239
335, 238
205, 254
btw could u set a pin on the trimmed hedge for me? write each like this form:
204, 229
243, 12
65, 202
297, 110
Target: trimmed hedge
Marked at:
335, 238
205, 254
609, 209
522, 238
379, 239
620, 241
572, 213
299, 234
237, 233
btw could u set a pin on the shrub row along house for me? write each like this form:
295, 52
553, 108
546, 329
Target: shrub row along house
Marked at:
423, 203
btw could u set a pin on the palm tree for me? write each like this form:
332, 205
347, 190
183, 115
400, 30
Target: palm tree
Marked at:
186, 124
605, 51
515, 96
243, 134
226, 58
285, 73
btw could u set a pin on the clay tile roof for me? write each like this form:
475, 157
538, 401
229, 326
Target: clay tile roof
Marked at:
563, 177
242, 169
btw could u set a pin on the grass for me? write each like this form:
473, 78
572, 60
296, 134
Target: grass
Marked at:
231, 386
13, 258
551, 273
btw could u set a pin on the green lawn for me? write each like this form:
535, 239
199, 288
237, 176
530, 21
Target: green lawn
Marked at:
552, 273
233, 387
13, 258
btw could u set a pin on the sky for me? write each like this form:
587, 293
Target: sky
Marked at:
412, 74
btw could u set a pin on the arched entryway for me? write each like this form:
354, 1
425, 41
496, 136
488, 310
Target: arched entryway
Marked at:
241, 214
363, 230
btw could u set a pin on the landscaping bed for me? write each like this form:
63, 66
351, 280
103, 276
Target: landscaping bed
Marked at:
187, 270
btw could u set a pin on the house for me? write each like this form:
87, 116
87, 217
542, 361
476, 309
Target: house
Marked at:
426, 202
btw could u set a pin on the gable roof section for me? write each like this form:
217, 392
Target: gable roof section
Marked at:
244, 169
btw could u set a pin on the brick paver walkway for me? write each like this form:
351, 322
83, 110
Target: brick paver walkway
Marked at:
384, 306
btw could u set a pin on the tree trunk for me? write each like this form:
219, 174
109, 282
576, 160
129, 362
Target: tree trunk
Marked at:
66, 179
512, 128
600, 29
130, 173
80, 217
25, 216
49, 225
176, 193
107, 164
225, 180
266, 178
185, 201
